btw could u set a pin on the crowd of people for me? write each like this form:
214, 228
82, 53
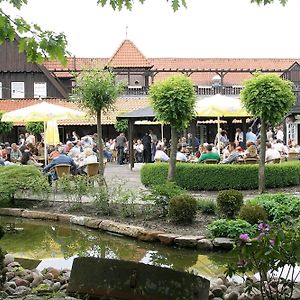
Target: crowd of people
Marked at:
78, 152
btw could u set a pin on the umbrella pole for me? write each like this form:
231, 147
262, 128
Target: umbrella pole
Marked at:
219, 150
162, 132
45, 143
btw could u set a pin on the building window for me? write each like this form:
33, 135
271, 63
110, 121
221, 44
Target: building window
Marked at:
0, 90
40, 90
17, 90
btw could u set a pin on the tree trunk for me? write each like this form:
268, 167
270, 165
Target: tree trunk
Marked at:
262, 156
172, 161
100, 144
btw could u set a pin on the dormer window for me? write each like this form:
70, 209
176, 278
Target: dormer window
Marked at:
40, 90
17, 90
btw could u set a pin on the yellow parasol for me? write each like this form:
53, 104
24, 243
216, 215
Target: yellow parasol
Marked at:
220, 106
44, 112
51, 136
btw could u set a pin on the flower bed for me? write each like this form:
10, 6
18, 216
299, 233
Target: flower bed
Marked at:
219, 177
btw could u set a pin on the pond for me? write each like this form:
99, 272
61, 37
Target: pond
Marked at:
44, 244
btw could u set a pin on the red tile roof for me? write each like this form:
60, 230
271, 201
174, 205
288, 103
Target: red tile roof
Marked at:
128, 56
122, 105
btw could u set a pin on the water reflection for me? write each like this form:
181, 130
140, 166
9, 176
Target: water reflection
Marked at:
50, 242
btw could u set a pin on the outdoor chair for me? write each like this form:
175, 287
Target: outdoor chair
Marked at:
293, 156
62, 170
251, 160
276, 161
92, 169
211, 161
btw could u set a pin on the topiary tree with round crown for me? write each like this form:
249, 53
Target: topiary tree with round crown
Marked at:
97, 91
269, 98
173, 101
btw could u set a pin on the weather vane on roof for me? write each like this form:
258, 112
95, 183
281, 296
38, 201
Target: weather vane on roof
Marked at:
126, 31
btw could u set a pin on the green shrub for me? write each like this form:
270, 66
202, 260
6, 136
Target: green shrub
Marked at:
161, 194
280, 208
230, 228
182, 209
253, 213
21, 178
229, 203
207, 206
197, 177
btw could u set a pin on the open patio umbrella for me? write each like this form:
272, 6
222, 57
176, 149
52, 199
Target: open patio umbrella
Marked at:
220, 106
42, 112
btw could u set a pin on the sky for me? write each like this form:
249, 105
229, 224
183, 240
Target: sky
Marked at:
207, 28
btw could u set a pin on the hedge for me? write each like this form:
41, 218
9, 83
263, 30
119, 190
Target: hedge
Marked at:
19, 178
196, 177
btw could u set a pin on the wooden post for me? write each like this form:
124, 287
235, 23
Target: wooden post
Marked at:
193, 132
130, 138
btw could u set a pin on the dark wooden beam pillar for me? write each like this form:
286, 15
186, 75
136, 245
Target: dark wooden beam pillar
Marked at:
193, 132
128, 77
130, 138
244, 128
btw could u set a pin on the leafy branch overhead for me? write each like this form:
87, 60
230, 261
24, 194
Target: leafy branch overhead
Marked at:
39, 43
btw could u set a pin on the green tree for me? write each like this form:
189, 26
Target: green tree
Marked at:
40, 44
35, 128
5, 127
173, 101
270, 98
121, 125
97, 91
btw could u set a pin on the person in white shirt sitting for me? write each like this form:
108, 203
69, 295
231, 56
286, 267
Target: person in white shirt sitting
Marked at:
160, 155
271, 153
88, 158
180, 156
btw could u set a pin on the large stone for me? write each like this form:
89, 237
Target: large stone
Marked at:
205, 244
21, 282
231, 296
128, 230
32, 214
37, 279
64, 218
8, 259
22, 291
149, 235
54, 272
190, 241
133, 280
92, 223
223, 243
218, 292
78, 220
296, 294
16, 212
167, 238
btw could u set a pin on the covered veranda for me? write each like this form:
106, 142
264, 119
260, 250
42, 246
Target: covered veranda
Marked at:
147, 114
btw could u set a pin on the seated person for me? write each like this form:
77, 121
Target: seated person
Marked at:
180, 156
251, 151
15, 153
62, 159
271, 153
28, 159
54, 154
160, 155
89, 157
233, 154
209, 154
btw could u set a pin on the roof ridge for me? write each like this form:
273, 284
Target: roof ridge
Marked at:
128, 43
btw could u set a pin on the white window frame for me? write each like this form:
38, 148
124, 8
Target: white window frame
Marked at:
40, 90
17, 89
1, 94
